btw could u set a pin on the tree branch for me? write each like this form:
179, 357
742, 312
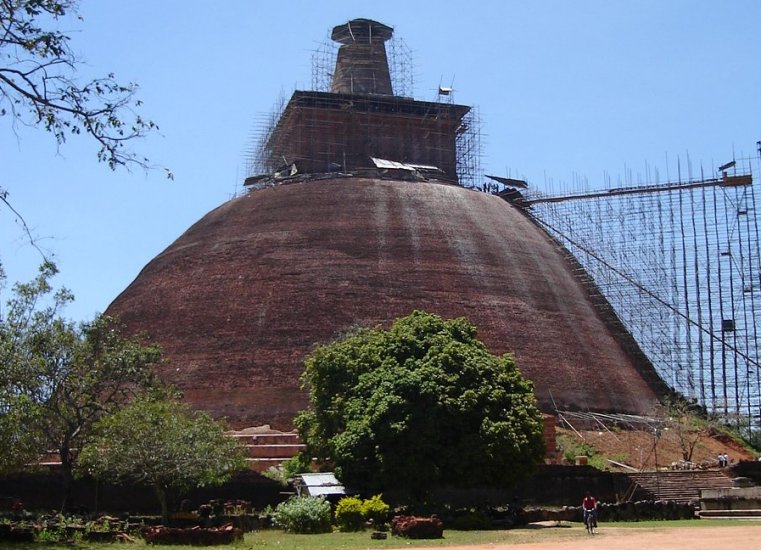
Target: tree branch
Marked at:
41, 78
22, 222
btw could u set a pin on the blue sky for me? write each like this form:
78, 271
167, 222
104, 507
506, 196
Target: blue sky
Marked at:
566, 91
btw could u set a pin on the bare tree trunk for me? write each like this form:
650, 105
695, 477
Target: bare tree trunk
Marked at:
161, 495
67, 465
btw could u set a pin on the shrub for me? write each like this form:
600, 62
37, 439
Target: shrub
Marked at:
572, 448
375, 510
349, 515
303, 515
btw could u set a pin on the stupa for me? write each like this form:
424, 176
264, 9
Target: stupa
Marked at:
361, 221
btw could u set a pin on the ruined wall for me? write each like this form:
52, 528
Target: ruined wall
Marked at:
318, 130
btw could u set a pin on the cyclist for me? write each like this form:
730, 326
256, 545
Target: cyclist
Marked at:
589, 507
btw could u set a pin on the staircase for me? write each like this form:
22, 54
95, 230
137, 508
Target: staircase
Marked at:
680, 486
267, 447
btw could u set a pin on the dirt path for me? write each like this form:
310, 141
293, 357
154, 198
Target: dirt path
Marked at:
740, 537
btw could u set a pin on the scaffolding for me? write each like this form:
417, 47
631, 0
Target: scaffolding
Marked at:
468, 144
400, 66
257, 155
680, 264
320, 132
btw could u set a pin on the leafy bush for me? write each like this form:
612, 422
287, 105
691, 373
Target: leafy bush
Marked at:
303, 515
572, 448
51, 536
349, 515
375, 510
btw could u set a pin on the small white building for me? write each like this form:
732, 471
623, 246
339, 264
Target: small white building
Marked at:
321, 484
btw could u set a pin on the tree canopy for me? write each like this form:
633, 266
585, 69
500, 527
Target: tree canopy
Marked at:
161, 443
57, 378
423, 403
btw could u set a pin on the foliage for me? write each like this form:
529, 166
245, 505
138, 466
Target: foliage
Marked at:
303, 515
19, 447
573, 447
375, 510
160, 442
59, 378
349, 514
51, 535
752, 441
419, 404
59, 528
39, 84
287, 470
352, 512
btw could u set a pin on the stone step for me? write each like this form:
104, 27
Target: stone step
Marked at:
680, 485
715, 514
275, 451
267, 439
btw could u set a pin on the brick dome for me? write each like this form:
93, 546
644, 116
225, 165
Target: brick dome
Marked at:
241, 298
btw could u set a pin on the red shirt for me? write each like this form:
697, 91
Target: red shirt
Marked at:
589, 503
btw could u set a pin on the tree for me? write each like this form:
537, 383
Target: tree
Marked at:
19, 445
39, 85
421, 404
24, 320
59, 378
684, 419
161, 443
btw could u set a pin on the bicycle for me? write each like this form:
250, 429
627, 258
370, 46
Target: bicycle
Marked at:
590, 521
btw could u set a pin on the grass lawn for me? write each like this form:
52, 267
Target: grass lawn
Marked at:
276, 539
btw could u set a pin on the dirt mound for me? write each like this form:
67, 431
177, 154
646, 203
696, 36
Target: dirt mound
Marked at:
638, 448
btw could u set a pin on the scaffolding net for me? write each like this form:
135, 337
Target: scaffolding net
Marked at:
680, 264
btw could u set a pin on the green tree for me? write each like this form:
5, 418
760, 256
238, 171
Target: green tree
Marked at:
18, 413
421, 404
58, 378
19, 444
161, 443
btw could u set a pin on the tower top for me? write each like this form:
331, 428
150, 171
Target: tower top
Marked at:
361, 31
361, 64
